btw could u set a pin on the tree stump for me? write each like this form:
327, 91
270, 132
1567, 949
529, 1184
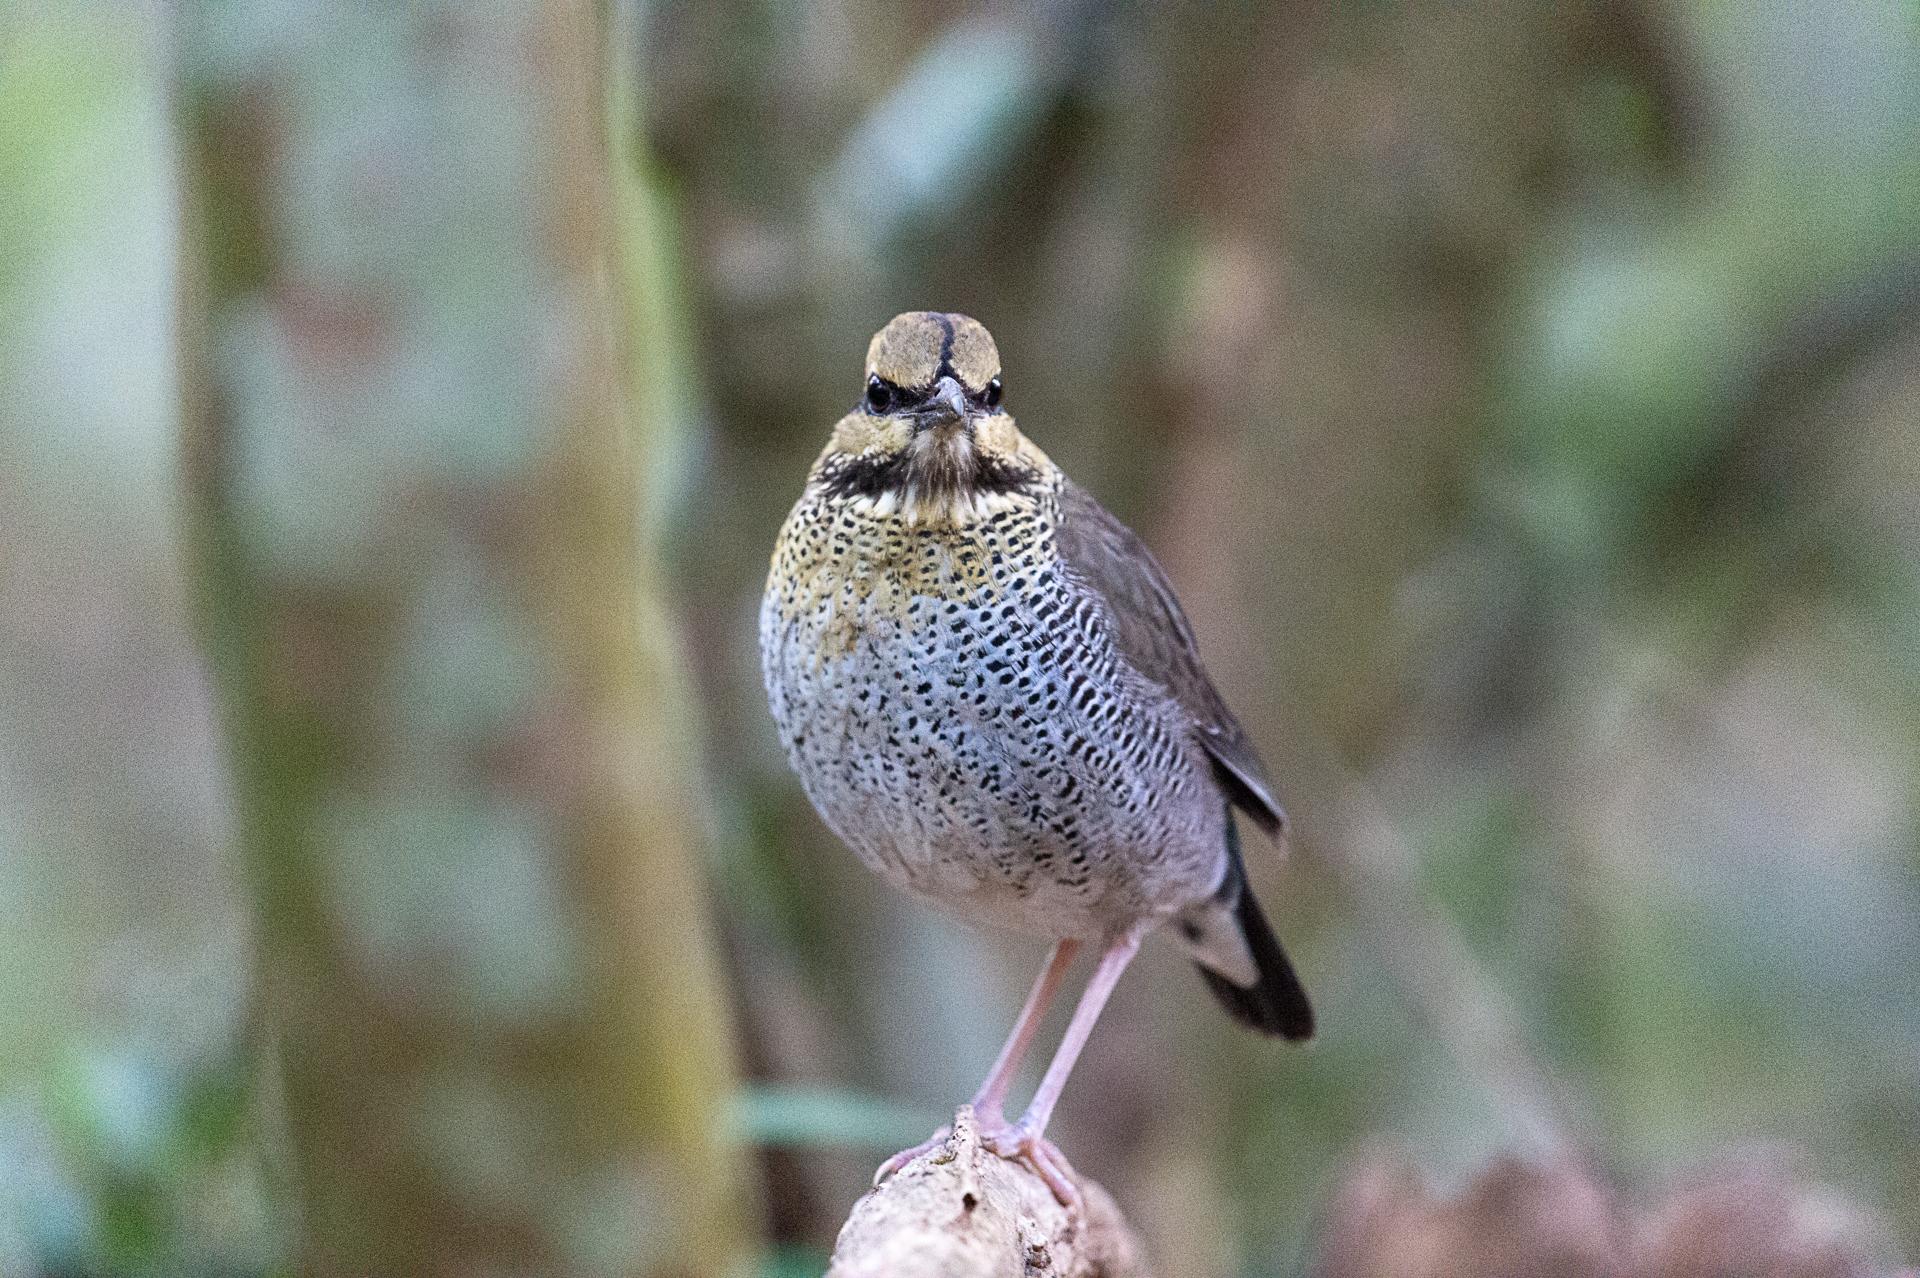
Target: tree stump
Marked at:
962, 1211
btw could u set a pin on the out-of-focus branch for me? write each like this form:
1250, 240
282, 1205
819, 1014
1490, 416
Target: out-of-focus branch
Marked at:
1442, 981
962, 1211
1750, 1213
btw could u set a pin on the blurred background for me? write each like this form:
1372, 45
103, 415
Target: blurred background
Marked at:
398, 872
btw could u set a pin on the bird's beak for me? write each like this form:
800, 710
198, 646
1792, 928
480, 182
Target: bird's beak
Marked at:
950, 400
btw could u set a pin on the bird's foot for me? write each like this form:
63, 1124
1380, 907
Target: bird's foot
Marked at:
1021, 1143
906, 1156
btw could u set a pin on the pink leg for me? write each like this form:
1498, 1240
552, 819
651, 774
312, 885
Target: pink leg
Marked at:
987, 1102
993, 1090
1025, 1139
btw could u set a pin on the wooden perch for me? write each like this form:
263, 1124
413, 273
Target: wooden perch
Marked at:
962, 1211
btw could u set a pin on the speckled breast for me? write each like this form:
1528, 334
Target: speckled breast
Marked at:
958, 715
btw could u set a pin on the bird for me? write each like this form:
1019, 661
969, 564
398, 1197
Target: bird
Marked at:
991, 694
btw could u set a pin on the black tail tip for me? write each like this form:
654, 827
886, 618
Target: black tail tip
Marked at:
1278, 1011
1278, 1006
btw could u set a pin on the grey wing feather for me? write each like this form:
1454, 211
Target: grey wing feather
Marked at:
1152, 633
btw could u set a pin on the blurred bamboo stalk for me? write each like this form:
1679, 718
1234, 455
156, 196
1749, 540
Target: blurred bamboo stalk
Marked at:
458, 740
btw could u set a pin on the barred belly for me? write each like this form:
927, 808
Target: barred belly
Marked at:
959, 716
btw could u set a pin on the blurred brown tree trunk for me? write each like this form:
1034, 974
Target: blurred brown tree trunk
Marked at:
462, 760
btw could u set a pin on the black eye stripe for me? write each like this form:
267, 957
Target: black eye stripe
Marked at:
883, 396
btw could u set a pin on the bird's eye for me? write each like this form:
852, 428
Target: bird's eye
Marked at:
991, 395
879, 394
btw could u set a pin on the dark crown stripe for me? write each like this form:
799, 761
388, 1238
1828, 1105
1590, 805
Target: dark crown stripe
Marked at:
946, 347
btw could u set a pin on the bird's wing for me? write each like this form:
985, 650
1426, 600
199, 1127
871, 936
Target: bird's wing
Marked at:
1152, 633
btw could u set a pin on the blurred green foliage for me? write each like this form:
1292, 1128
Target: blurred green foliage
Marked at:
126, 1142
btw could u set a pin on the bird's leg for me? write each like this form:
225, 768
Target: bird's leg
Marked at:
1119, 953
1026, 1139
988, 1101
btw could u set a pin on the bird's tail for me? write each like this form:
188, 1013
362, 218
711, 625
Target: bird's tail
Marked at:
1241, 959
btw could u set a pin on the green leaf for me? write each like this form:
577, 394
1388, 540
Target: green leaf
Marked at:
828, 1118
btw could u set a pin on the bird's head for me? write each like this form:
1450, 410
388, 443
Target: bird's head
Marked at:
930, 437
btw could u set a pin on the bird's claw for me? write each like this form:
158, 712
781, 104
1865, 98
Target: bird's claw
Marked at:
1013, 1141
906, 1156
1018, 1142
